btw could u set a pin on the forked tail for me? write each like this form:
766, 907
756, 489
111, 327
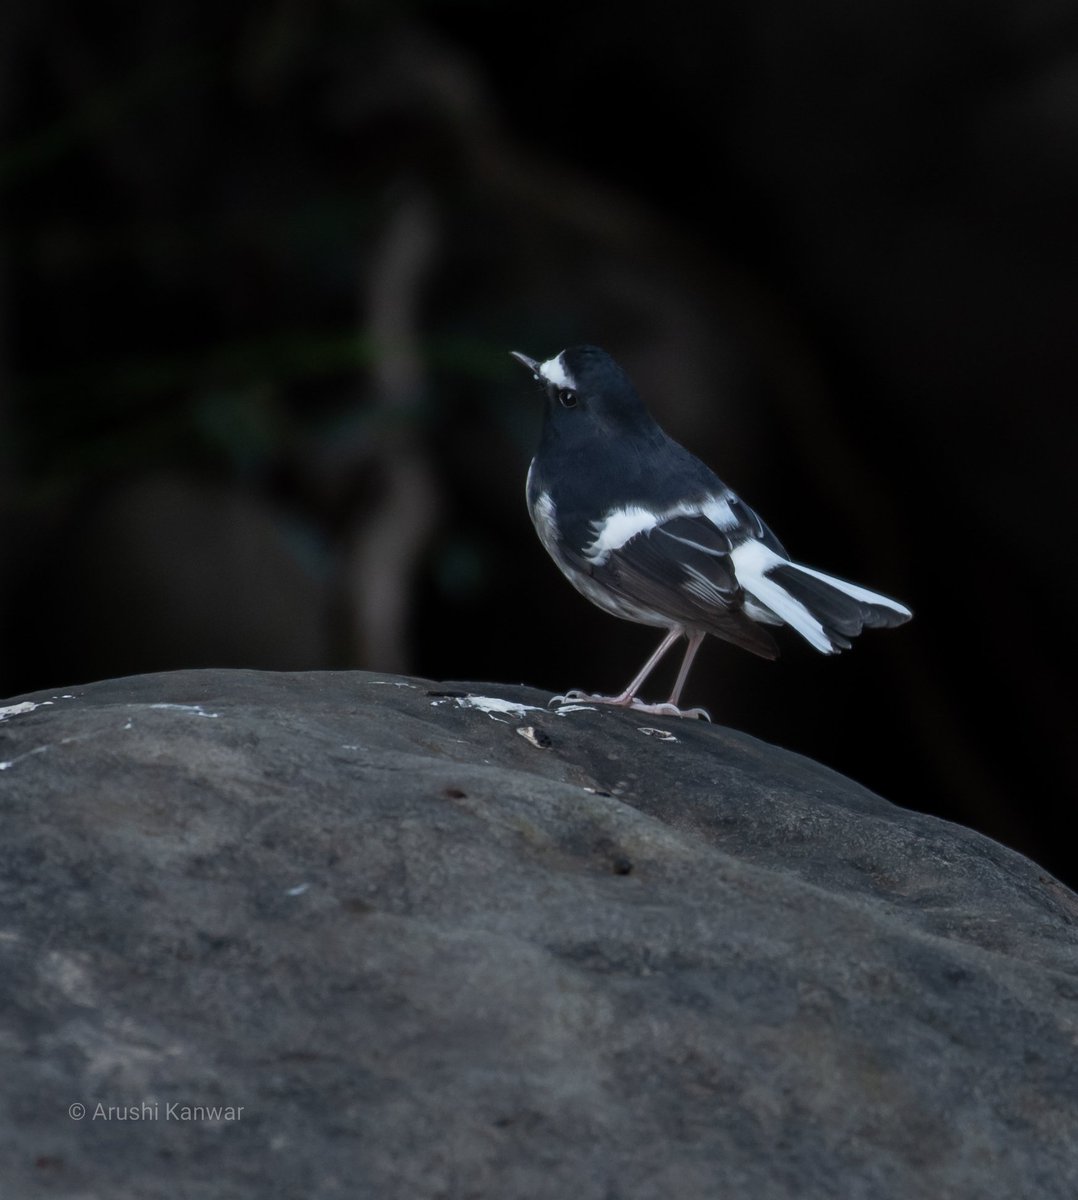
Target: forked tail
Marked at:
827, 611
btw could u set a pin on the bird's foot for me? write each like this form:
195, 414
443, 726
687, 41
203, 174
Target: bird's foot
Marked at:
632, 703
576, 696
670, 710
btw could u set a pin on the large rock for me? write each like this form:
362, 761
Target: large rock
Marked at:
426, 946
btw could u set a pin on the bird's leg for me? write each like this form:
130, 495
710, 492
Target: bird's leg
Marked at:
695, 640
629, 695
671, 708
627, 699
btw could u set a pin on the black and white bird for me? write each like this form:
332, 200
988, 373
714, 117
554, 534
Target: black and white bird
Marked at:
649, 533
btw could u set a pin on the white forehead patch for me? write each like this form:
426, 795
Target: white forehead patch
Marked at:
553, 371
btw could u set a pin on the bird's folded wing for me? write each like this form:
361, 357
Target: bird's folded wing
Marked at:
681, 570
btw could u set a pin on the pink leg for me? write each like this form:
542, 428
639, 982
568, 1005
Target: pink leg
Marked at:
627, 699
695, 639
629, 694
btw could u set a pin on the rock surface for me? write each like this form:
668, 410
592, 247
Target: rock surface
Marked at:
430, 955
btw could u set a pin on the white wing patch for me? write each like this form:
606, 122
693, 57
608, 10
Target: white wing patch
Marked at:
621, 525
720, 514
553, 371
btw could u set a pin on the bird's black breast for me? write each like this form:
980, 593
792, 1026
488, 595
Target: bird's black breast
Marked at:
585, 483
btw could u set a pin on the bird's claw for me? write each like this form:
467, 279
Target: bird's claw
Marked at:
574, 697
630, 702
671, 710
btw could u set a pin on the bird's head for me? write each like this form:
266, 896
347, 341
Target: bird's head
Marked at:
586, 390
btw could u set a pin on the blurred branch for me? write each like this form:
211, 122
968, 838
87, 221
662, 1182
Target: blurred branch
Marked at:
384, 545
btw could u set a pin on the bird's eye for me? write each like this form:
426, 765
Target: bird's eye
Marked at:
567, 398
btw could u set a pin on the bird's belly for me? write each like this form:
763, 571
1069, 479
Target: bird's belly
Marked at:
544, 517
612, 603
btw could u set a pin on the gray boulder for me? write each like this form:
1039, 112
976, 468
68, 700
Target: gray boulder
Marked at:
350, 935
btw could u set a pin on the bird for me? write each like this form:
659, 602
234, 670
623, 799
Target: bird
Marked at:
648, 532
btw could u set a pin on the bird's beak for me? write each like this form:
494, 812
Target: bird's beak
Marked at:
530, 363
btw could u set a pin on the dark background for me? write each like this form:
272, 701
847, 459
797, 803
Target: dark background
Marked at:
261, 266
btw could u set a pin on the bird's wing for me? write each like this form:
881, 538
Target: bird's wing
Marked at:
679, 567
